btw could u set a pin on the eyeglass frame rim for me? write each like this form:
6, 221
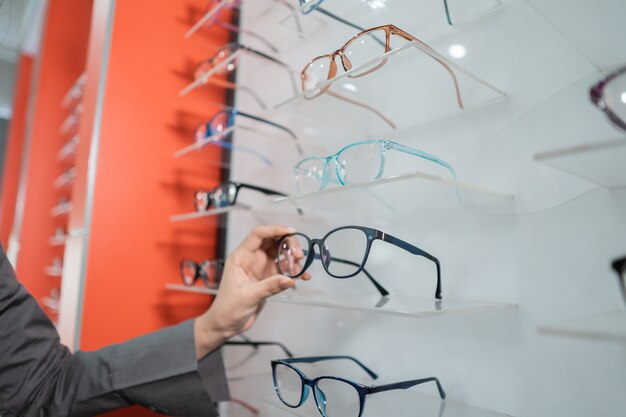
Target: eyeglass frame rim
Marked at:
371, 235
596, 94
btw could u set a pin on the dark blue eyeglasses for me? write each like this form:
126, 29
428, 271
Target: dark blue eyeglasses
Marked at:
337, 253
334, 396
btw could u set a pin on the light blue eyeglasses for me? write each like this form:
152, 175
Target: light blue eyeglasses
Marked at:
357, 162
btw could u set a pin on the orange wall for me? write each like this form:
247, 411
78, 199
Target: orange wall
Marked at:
15, 147
62, 60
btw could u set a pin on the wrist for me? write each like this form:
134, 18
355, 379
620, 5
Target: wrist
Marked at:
209, 335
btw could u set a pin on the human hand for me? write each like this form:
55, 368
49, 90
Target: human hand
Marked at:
250, 276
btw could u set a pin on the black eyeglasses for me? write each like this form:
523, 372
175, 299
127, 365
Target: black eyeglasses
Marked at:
226, 194
619, 265
609, 95
335, 254
334, 396
256, 344
209, 271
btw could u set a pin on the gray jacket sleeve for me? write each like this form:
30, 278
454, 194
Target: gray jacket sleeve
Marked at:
41, 377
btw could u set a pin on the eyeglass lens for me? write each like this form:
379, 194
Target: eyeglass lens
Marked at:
188, 270
354, 164
343, 252
614, 96
288, 384
337, 398
356, 53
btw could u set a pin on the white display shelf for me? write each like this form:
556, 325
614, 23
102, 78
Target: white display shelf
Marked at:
57, 240
439, 192
395, 93
397, 403
68, 151
239, 207
53, 271
608, 327
64, 180
185, 288
61, 209
75, 92
395, 304
603, 163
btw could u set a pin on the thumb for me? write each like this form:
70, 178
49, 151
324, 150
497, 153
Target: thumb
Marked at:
271, 286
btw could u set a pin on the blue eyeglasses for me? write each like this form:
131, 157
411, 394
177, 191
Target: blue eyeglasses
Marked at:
357, 162
225, 119
307, 6
334, 396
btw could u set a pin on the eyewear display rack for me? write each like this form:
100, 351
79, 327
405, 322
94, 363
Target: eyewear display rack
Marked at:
534, 218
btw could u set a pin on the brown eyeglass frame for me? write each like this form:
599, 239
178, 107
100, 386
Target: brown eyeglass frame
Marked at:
347, 65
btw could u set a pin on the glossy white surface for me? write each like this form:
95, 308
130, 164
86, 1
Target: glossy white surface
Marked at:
548, 250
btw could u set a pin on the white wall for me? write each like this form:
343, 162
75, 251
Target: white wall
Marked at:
547, 251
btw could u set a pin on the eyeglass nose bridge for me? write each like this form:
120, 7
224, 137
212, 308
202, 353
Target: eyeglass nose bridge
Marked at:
345, 61
325, 255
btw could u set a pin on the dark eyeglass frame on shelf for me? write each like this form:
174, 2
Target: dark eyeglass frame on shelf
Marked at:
362, 390
305, 10
619, 266
597, 97
231, 190
200, 272
371, 235
231, 113
256, 344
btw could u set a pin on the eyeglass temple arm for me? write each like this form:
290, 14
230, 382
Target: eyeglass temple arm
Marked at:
379, 287
293, 11
294, 87
256, 345
436, 56
415, 251
445, 5
313, 359
348, 23
267, 191
237, 29
418, 153
408, 384
363, 105
276, 125
233, 86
